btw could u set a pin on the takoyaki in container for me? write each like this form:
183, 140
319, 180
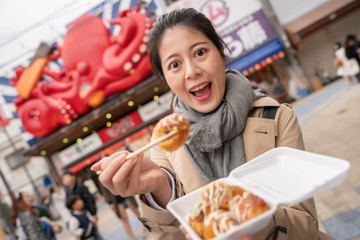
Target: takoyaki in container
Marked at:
281, 176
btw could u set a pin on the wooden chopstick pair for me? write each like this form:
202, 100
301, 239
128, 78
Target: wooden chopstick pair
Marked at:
149, 145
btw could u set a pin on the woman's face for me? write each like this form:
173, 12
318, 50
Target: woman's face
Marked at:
27, 199
193, 68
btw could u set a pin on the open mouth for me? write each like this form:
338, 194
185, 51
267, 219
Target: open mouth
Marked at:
201, 90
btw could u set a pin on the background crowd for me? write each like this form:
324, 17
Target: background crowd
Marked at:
71, 208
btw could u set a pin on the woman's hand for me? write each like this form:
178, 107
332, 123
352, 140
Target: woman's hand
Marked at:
134, 176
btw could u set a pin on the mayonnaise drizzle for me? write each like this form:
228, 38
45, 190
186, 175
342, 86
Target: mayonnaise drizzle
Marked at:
240, 214
171, 121
221, 221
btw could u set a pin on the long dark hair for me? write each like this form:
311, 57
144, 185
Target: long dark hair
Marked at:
350, 37
188, 17
18, 206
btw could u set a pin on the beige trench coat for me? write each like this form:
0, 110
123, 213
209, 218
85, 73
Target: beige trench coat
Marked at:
299, 220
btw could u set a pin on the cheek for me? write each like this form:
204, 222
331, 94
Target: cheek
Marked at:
220, 77
175, 88
174, 84
223, 85
179, 90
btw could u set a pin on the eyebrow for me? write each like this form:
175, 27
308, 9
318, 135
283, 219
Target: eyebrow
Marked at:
191, 47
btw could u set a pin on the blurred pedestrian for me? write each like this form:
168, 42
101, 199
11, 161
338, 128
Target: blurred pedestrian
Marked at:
352, 46
59, 201
25, 219
118, 205
122, 203
346, 68
352, 50
50, 227
80, 223
48, 201
93, 188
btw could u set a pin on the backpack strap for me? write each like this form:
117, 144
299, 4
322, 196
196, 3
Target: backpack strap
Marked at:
270, 112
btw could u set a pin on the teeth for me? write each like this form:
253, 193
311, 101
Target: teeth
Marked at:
199, 87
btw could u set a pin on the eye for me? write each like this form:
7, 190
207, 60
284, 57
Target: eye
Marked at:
174, 65
200, 52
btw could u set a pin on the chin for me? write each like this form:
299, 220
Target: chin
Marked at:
206, 108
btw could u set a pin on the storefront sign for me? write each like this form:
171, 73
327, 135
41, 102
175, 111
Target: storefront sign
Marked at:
267, 50
247, 34
156, 108
78, 150
120, 126
242, 24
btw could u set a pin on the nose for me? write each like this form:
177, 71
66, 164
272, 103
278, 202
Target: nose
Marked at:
192, 70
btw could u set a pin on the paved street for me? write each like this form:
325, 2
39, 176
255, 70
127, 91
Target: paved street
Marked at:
330, 120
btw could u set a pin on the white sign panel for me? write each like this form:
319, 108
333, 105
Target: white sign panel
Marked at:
78, 150
156, 108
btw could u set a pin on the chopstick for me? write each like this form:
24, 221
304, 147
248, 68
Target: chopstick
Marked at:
153, 143
149, 145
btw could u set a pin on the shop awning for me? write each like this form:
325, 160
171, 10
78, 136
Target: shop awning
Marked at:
257, 56
318, 18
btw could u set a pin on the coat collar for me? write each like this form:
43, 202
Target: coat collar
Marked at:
266, 102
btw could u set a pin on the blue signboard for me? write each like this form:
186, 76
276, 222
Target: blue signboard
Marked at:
257, 55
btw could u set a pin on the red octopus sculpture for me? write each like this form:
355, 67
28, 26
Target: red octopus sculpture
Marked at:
96, 65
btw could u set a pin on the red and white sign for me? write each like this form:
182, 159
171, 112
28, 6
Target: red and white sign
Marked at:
156, 108
120, 127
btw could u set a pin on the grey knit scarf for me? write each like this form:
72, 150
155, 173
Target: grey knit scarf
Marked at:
220, 131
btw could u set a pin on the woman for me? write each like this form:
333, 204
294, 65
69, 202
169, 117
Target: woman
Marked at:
351, 47
121, 204
347, 68
188, 54
352, 51
25, 217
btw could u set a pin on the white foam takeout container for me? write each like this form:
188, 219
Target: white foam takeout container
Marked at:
281, 176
